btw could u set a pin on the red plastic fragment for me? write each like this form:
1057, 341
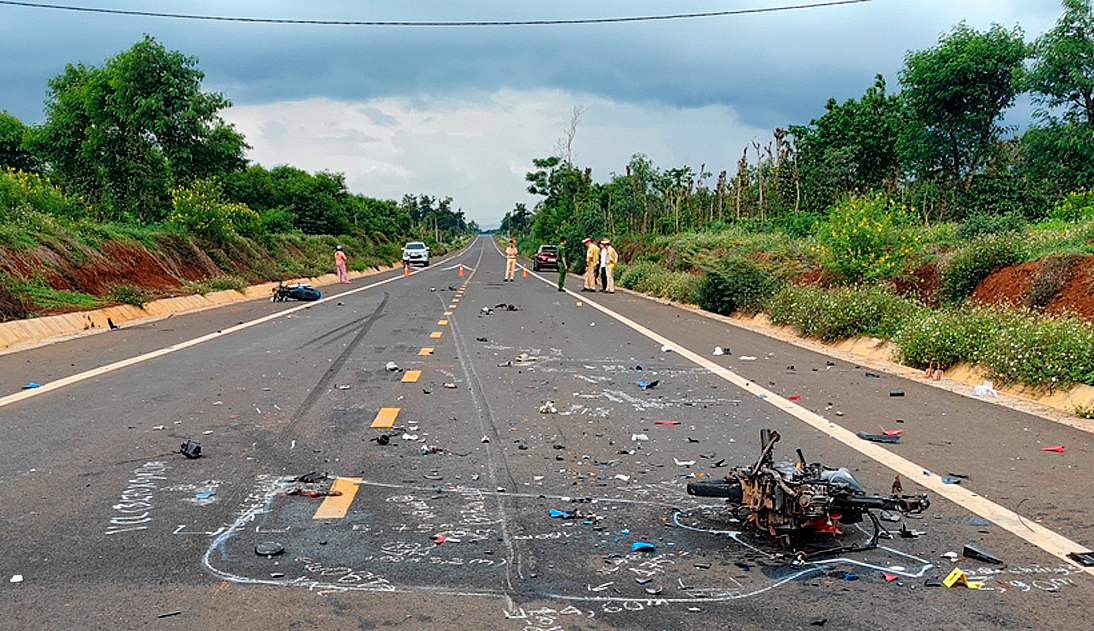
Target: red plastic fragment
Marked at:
794, 397
1057, 448
666, 422
889, 578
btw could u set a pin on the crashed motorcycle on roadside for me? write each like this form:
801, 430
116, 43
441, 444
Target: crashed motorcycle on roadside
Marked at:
793, 500
301, 291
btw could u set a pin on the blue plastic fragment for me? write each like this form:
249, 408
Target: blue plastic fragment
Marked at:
32, 385
951, 480
204, 495
642, 546
558, 514
850, 577
625, 531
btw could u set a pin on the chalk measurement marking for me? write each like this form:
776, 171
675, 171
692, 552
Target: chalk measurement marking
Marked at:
412, 376
337, 504
385, 418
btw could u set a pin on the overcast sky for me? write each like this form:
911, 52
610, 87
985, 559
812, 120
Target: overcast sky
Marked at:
462, 111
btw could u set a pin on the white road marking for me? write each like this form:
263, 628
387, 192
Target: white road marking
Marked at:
1027, 529
167, 350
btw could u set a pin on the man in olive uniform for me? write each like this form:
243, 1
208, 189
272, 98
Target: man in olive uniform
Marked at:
592, 257
563, 267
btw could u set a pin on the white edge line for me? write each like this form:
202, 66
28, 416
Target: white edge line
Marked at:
1050, 541
102, 370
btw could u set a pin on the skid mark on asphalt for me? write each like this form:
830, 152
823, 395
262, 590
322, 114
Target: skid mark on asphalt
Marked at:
1029, 530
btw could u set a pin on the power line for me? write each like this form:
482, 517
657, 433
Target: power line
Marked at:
642, 18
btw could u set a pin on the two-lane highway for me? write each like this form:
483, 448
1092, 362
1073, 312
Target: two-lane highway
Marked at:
447, 451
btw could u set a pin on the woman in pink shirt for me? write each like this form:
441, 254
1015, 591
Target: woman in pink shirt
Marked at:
340, 265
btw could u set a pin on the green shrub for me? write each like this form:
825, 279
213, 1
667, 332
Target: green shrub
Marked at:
633, 276
1050, 279
860, 240
970, 265
837, 314
949, 336
736, 284
129, 295
1048, 352
1077, 206
980, 224
201, 209
22, 194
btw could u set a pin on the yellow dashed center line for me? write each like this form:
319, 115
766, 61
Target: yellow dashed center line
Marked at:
448, 313
442, 322
428, 350
386, 417
412, 376
435, 335
337, 503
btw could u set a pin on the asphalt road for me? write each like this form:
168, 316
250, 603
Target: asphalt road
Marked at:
448, 525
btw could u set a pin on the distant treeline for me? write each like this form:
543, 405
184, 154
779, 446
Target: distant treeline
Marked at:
939, 146
136, 141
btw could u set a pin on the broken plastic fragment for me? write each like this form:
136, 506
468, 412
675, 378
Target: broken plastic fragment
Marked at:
718, 350
558, 514
879, 438
973, 552
889, 578
666, 422
16, 578
32, 385
642, 546
1057, 448
666, 349
391, 367
683, 463
269, 549
646, 385
639, 437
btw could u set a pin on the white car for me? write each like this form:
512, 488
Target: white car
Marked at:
416, 252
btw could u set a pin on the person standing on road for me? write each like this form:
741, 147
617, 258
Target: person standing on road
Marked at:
562, 266
511, 260
591, 257
340, 264
608, 260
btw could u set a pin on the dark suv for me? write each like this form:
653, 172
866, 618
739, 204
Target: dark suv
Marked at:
546, 258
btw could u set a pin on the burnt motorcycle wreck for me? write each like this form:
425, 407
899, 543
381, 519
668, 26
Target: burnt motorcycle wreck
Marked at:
795, 499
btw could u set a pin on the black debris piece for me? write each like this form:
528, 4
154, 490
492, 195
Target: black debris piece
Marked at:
819, 622
932, 582
873, 374
269, 549
879, 438
973, 552
896, 393
311, 478
1086, 559
191, 449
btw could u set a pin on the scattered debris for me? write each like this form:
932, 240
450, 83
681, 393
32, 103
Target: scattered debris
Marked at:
642, 546
847, 576
343, 387
952, 556
647, 385
481, 339
819, 622
747, 358
157, 428
896, 393
972, 552
169, 614
873, 375
450, 385
558, 514
744, 566
383, 440
205, 495
32, 385
905, 533
439, 539
932, 582
986, 389
625, 478
311, 477
1086, 559
719, 351
878, 438
963, 476
1057, 448
191, 449
683, 463
548, 407
485, 438
312, 493
951, 480
111, 324
392, 367
16, 578
666, 422
794, 397
269, 549
639, 437
889, 578
487, 310
666, 349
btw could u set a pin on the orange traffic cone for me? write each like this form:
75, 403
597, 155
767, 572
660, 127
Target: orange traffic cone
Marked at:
406, 270
461, 270
525, 268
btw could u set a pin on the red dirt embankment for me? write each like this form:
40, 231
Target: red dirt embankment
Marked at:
1071, 286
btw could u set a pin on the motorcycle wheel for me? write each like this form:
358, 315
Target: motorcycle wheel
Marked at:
728, 490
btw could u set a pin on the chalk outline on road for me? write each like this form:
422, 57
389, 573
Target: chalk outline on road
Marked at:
1028, 530
167, 350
